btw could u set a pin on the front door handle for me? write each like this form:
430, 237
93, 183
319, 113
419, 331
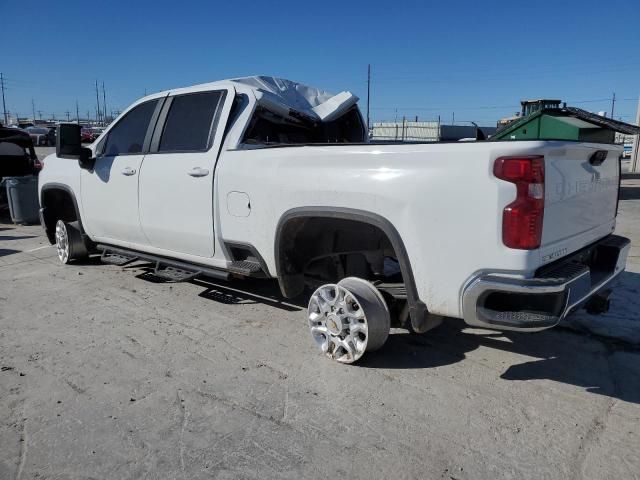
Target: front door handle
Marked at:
199, 172
128, 171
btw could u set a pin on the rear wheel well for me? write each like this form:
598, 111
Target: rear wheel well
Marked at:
58, 204
306, 233
313, 250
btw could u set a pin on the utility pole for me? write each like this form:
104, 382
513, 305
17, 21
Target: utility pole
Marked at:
77, 113
4, 106
635, 161
368, 93
453, 118
97, 104
33, 110
104, 105
613, 104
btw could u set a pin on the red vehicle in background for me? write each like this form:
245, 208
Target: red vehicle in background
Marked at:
86, 135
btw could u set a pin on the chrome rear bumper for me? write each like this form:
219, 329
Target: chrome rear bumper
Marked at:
505, 303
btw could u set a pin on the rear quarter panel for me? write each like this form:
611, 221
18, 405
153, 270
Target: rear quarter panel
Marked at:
442, 198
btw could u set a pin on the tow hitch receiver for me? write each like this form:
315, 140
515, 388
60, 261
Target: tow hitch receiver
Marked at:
599, 303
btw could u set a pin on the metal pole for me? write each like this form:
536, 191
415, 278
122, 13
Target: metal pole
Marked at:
33, 110
368, 91
613, 104
635, 162
104, 105
77, 113
404, 119
97, 104
4, 106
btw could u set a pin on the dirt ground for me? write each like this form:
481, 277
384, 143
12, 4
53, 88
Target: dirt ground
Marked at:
108, 375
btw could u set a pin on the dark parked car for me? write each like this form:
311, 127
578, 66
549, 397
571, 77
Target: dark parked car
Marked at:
17, 156
39, 135
51, 136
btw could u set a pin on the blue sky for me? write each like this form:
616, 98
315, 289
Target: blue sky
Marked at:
474, 58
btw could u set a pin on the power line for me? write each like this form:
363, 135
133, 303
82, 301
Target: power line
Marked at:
500, 74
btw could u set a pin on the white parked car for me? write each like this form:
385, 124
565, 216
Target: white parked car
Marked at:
263, 177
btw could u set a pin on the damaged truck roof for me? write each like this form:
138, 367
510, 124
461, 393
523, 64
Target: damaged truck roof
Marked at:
280, 95
284, 96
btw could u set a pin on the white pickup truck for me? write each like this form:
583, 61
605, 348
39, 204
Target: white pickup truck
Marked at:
264, 177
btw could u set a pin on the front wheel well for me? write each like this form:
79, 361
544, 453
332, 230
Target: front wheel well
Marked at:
58, 204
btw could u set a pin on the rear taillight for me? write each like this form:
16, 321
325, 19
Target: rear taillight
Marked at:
522, 219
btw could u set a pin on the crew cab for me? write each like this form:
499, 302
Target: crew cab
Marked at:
264, 177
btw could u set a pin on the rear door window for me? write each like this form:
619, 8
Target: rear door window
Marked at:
127, 136
191, 122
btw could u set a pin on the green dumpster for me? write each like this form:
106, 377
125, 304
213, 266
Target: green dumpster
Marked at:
567, 123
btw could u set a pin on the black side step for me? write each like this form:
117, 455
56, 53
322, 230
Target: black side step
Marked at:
166, 268
117, 258
245, 267
173, 274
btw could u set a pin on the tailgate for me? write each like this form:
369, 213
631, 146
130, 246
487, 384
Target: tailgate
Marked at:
580, 197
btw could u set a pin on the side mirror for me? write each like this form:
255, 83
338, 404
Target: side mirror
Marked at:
69, 145
68, 141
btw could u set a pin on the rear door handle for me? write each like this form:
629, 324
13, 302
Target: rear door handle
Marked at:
199, 172
129, 171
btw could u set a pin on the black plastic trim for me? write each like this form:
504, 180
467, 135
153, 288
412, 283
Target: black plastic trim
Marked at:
159, 127
153, 125
417, 308
253, 250
60, 186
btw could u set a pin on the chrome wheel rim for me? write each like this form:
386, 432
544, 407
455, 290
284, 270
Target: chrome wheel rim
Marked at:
338, 323
62, 242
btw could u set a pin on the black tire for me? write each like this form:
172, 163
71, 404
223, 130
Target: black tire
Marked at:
378, 317
69, 243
